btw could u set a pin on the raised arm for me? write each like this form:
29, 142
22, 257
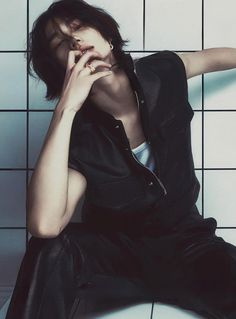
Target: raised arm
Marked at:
208, 60
54, 190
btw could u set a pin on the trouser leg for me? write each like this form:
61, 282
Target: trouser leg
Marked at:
77, 274
212, 275
193, 269
110, 277
46, 282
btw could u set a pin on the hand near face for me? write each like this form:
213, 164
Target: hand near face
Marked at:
79, 80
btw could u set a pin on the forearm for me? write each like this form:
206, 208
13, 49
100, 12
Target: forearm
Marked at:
48, 187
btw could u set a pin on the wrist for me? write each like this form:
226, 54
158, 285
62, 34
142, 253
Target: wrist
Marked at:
63, 107
64, 112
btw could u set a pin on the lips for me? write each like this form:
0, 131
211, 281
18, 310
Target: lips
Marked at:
83, 49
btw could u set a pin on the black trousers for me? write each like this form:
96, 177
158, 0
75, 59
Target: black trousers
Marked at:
85, 271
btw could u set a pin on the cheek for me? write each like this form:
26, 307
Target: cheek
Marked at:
97, 40
102, 45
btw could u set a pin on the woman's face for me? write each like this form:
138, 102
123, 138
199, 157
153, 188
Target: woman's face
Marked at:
82, 36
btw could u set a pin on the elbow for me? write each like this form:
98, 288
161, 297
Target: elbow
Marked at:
42, 231
39, 227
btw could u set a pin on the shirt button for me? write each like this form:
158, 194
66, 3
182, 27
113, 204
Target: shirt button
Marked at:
117, 126
142, 101
150, 183
126, 148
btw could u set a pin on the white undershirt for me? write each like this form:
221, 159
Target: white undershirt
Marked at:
143, 153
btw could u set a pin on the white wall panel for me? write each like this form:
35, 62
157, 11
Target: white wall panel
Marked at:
12, 81
38, 127
13, 140
219, 194
219, 21
128, 14
13, 25
219, 139
12, 203
173, 24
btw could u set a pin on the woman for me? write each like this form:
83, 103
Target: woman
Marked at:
123, 129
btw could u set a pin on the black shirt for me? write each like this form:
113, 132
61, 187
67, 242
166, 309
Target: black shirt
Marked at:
121, 192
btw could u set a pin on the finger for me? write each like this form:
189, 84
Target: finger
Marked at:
84, 59
71, 58
96, 63
98, 75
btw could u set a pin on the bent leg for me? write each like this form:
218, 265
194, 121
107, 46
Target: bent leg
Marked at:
193, 269
212, 276
78, 273
110, 276
45, 285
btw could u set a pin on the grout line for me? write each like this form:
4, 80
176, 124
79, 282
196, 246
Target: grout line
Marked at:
144, 24
135, 51
203, 93
196, 168
27, 121
9, 227
6, 227
51, 110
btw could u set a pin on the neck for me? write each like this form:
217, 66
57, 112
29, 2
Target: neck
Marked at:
113, 93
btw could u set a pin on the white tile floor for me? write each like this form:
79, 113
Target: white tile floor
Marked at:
142, 311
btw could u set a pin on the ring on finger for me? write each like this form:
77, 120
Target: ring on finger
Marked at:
92, 68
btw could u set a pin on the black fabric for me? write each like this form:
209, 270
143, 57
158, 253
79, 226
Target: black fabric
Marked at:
119, 187
84, 273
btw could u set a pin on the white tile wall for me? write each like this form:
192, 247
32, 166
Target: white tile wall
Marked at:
12, 249
12, 211
38, 127
142, 311
199, 200
220, 90
219, 139
12, 81
13, 140
129, 15
219, 22
219, 194
196, 138
37, 93
195, 92
173, 24
13, 25
162, 311
36, 8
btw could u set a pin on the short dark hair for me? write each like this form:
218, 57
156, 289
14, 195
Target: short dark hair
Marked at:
41, 56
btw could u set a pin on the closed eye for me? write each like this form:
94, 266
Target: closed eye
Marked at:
67, 41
